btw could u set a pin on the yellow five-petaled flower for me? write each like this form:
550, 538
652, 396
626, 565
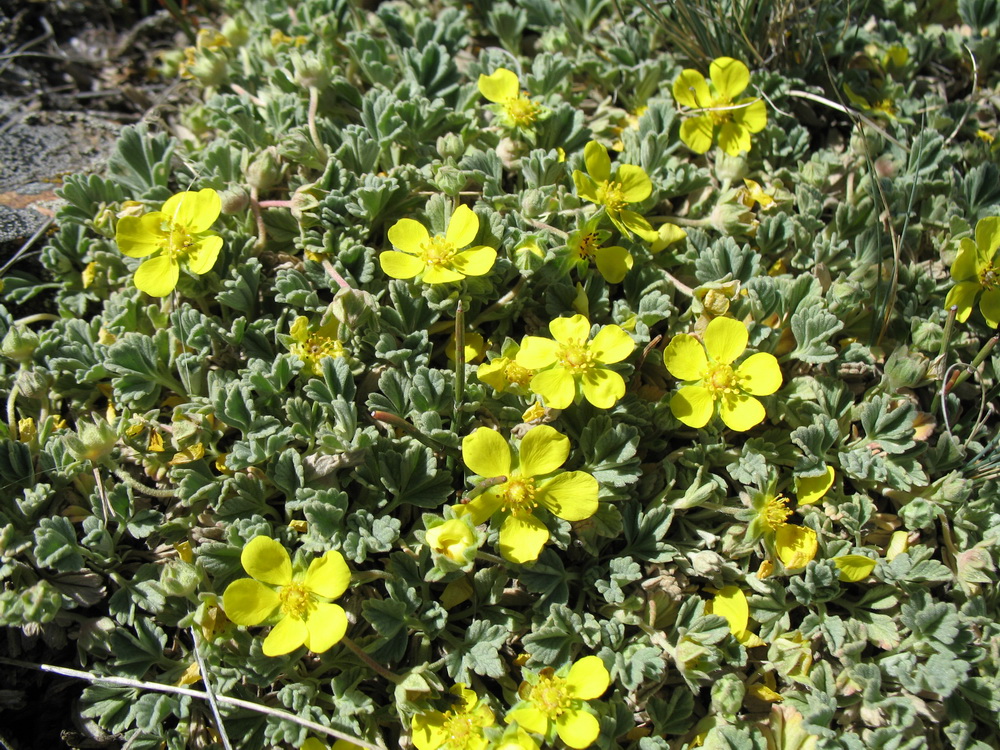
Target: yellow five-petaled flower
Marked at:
571, 358
177, 235
550, 701
437, 259
460, 728
533, 481
712, 379
720, 109
977, 269
629, 184
514, 108
305, 616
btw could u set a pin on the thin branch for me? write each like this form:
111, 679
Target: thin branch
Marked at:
210, 692
157, 687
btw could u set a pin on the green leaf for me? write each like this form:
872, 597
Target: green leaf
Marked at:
889, 423
55, 545
813, 327
479, 652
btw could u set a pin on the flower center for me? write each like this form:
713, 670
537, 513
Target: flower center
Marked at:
611, 195
436, 251
549, 696
587, 245
179, 243
720, 379
316, 347
989, 278
521, 111
517, 374
296, 601
721, 116
775, 512
575, 357
519, 495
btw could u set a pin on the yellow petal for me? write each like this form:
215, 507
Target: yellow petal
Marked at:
157, 276
536, 352
557, 386
693, 405
575, 329
633, 222
613, 263
725, 339
462, 228
408, 235
730, 602
475, 262
685, 357
400, 265
285, 637
730, 77
586, 188
482, 508
854, 568
595, 156
667, 235
636, 185
751, 116
542, 451
988, 236
194, 211
500, 85
734, 139
267, 561
204, 253
139, 236
697, 132
529, 718
962, 296
741, 412
328, 576
572, 495
691, 90
441, 275
812, 489
602, 387
965, 266
760, 374
989, 306
522, 538
486, 453
577, 728
326, 625
795, 545
611, 344
249, 602
429, 731
588, 678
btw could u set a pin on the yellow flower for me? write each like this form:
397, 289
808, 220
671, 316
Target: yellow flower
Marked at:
439, 259
585, 246
752, 194
629, 184
550, 701
533, 480
571, 358
312, 347
454, 539
304, 615
514, 108
176, 236
712, 379
460, 728
504, 373
977, 269
794, 545
734, 118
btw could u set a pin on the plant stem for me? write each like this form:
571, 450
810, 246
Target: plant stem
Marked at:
362, 654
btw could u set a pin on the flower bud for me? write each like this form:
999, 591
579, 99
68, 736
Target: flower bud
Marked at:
93, 441
34, 383
732, 219
727, 695
235, 199
730, 168
19, 344
309, 70
265, 170
235, 31
451, 146
449, 180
